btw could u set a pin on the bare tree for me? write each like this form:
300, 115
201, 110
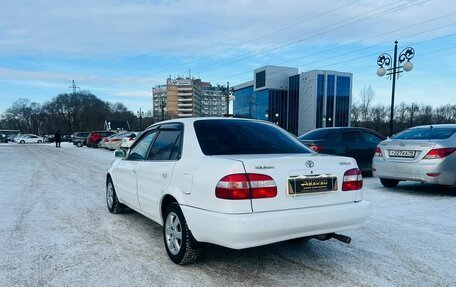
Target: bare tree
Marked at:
366, 97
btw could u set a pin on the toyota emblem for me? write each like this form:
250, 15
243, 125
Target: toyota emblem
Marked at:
309, 164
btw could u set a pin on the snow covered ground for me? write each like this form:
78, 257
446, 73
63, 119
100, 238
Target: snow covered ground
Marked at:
55, 230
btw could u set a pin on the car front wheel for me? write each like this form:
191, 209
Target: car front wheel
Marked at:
79, 144
114, 206
178, 240
389, 182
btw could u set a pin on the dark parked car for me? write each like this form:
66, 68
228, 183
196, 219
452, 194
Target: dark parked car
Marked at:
80, 138
95, 137
358, 143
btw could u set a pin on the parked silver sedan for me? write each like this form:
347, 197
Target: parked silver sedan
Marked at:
423, 154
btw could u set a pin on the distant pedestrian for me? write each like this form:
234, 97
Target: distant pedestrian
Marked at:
57, 138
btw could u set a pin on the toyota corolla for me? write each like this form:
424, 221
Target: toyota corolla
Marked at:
236, 183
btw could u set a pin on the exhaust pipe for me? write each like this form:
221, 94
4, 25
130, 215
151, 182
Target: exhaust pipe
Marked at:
340, 237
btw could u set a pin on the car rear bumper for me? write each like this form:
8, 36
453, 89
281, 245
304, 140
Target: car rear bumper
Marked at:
416, 171
240, 231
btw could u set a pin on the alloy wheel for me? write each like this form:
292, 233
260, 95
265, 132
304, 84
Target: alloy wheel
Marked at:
173, 229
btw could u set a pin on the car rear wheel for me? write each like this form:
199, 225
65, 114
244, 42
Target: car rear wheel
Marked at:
22, 142
114, 206
389, 182
79, 144
39, 141
178, 240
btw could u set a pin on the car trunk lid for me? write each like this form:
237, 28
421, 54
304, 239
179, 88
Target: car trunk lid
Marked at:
405, 150
291, 169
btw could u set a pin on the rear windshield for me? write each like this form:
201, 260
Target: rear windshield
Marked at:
426, 134
230, 137
82, 134
319, 134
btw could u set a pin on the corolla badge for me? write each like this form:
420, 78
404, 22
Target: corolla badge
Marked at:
264, 167
309, 164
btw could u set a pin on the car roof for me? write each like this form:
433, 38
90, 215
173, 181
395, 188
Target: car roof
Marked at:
192, 120
436, 126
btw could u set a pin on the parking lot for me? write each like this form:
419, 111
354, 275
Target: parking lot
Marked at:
55, 230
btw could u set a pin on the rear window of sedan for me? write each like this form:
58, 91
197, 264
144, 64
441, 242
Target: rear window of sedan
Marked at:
319, 134
426, 134
231, 137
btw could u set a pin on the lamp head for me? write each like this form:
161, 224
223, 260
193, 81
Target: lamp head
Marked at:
408, 66
381, 72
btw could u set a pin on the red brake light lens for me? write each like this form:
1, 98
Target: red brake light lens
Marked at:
246, 186
439, 153
378, 152
263, 186
353, 180
316, 148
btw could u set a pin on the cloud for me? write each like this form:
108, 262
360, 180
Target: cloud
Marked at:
184, 27
133, 94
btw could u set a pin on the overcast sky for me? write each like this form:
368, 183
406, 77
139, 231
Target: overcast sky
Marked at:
120, 49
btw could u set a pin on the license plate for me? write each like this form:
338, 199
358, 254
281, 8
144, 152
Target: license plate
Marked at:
402, 153
306, 185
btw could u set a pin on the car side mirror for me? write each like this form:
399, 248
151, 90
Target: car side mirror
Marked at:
120, 153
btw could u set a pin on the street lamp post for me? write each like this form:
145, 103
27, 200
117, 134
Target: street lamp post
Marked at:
163, 109
140, 114
228, 97
276, 117
394, 72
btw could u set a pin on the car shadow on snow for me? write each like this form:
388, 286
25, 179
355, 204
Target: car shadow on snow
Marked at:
423, 189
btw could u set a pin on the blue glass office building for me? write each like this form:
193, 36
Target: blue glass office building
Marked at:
296, 102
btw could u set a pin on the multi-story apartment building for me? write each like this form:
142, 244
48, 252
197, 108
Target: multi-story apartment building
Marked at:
160, 99
296, 102
187, 97
213, 103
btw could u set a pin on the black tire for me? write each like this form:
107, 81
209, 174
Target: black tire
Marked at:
39, 141
79, 144
389, 182
22, 142
114, 206
187, 251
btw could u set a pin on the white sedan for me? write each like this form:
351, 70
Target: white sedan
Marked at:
29, 139
236, 183
128, 140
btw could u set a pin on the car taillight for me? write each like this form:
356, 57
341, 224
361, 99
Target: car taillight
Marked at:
353, 180
378, 152
439, 153
131, 139
106, 140
316, 148
246, 186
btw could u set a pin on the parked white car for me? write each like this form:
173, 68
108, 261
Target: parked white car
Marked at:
29, 139
234, 182
129, 139
424, 154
